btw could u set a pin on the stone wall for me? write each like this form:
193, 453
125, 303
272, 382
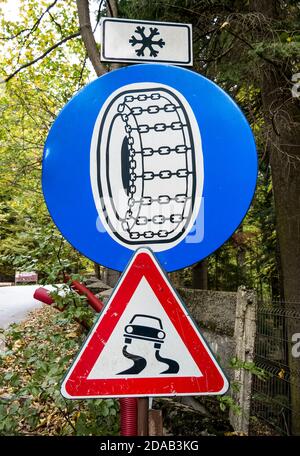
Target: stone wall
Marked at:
214, 313
228, 323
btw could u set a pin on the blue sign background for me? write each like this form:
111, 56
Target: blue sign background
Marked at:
230, 166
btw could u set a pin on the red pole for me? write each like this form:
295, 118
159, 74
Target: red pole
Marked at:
128, 412
41, 294
81, 289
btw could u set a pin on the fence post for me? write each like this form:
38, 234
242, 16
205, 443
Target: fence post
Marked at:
244, 337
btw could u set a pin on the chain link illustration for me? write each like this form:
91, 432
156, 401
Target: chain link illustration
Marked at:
159, 154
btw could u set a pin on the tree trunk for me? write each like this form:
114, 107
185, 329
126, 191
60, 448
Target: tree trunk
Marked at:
277, 281
199, 275
216, 275
111, 277
176, 279
97, 270
282, 116
286, 182
240, 255
285, 166
88, 36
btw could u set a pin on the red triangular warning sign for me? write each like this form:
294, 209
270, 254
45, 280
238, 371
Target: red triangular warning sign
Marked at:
144, 343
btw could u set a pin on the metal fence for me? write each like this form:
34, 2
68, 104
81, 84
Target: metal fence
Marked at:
271, 400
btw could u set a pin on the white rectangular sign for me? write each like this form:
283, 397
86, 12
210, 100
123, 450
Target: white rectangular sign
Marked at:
26, 277
126, 40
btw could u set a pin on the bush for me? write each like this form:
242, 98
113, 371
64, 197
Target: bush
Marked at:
37, 356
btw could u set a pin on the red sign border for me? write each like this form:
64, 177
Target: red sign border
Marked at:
77, 385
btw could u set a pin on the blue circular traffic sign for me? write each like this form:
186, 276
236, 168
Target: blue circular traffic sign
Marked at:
149, 155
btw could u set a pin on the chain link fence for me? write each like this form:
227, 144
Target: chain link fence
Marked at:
273, 397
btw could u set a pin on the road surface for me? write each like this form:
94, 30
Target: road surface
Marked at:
16, 302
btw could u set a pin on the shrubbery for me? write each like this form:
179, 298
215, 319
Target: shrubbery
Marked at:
37, 355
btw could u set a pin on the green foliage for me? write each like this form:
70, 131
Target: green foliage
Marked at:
32, 99
262, 374
38, 355
40, 248
28, 104
226, 50
228, 403
72, 306
231, 46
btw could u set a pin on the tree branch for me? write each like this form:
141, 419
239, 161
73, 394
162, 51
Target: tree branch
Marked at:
260, 54
32, 62
88, 37
35, 25
113, 8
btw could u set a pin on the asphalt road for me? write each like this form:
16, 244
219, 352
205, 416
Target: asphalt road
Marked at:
16, 302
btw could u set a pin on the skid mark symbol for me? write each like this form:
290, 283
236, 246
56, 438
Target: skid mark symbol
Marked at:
139, 363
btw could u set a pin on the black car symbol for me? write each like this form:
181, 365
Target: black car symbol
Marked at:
145, 327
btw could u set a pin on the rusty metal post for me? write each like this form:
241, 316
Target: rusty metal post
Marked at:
142, 421
155, 423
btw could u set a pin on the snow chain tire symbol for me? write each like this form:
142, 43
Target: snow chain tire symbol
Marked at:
147, 166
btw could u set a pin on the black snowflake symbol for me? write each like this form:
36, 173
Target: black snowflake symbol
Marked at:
146, 41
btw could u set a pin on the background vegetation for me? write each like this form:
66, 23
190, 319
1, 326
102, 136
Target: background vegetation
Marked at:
249, 47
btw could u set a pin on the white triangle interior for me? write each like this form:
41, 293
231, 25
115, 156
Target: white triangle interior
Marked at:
111, 360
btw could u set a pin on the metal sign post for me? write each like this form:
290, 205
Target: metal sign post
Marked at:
162, 166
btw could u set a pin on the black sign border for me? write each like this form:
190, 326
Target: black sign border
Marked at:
189, 62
